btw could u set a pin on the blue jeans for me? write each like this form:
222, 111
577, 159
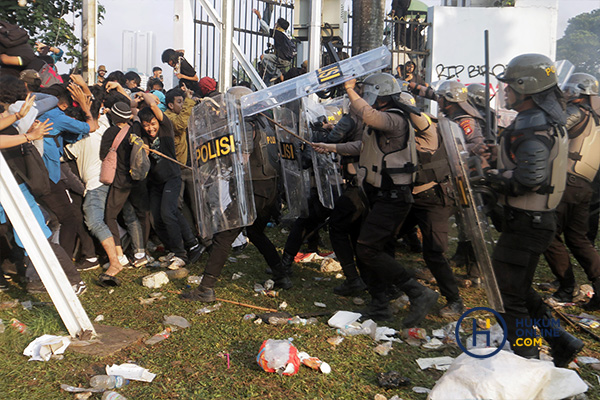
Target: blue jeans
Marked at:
94, 205
134, 227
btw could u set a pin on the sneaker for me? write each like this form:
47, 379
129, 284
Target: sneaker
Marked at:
176, 263
35, 287
79, 288
166, 258
3, 283
140, 262
87, 265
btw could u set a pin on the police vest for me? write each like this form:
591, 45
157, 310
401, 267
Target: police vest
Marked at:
584, 150
399, 165
433, 167
535, 126
264, 159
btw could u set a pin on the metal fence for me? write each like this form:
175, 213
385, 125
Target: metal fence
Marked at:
246, 32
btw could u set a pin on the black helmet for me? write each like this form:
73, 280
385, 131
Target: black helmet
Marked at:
581, 83
476, 93
529, 74
379, 85
452, 91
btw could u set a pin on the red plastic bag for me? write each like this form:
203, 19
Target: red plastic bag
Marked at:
278, 356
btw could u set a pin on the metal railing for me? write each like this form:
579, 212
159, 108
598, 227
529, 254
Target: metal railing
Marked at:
247, 33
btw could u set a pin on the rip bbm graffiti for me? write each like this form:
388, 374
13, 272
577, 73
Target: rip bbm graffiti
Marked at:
472, 71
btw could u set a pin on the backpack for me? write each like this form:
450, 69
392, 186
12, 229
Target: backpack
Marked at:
12, 35
288, 50
139, 162
49, 76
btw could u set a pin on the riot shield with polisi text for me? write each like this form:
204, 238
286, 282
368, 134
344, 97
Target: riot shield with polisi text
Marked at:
471, 208
221, 170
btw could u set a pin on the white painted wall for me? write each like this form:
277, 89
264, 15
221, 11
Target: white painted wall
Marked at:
456, 37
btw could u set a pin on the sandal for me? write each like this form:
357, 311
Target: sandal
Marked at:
106, 280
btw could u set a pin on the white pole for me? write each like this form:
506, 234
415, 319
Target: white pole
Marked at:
89, 25
226, 66
314, 35
45, 262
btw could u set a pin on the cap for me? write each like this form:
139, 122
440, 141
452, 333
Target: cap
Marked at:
207, 85
121, 112
29, 76
283, 23
102, 68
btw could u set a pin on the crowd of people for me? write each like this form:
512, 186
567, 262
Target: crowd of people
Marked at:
395, 174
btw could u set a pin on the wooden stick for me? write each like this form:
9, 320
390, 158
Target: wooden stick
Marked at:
286, 129
167, 157
574, 325
237, 303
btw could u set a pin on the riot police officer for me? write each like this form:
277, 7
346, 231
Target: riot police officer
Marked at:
583, 113
263, 168
530, 180
387, 165
476, 96
432, 207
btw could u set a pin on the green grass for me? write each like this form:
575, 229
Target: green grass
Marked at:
188, 364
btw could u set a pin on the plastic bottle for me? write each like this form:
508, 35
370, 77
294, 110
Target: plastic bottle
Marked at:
108, 381
159, 337
113, 396
194, 280
2, 327
177, 273
209, 309
278, 321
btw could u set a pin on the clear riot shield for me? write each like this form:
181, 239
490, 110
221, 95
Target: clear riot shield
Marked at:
316, 81
221, 170
471, 209
295, 181
564, 70
326, 168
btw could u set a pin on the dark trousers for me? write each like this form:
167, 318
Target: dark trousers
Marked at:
87, 248
65, 261
388, 210
58, 202
265, 200
169, 223
431, 211
117, 197
525, 236
573, 224
344, 227
304, 226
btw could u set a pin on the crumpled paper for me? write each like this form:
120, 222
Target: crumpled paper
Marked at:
132, 372
42, 348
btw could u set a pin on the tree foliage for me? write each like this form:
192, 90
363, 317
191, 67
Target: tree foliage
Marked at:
45, 22
581, 43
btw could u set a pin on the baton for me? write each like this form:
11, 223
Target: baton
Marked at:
574, 325
287, 130
167, 157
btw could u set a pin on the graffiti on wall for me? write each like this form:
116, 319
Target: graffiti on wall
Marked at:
470, 71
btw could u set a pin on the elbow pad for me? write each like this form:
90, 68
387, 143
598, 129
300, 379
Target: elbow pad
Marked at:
533, 168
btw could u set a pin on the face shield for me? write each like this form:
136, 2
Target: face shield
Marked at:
571, 91
370, 92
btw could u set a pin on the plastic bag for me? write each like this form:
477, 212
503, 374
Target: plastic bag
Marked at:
278, 356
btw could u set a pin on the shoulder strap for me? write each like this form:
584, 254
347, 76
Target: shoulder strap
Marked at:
119, 138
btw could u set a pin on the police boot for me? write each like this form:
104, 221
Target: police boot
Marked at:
422, 299
563, 346
203, 293
281, 277
350, 287
460, 257
378, 309
564, 293
594, 303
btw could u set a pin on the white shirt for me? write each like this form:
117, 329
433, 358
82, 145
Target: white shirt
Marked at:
87, 154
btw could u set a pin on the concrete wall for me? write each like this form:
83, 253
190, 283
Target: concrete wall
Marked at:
457, 38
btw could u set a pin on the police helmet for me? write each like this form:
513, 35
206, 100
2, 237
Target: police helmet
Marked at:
406, 99
529, 74
581, 83
379, 85
237, 92
476, 93
453, 91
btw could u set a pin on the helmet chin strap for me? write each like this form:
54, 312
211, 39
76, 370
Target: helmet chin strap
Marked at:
520, 98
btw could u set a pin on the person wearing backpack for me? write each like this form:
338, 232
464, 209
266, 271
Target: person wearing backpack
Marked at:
16, 54
285, 49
